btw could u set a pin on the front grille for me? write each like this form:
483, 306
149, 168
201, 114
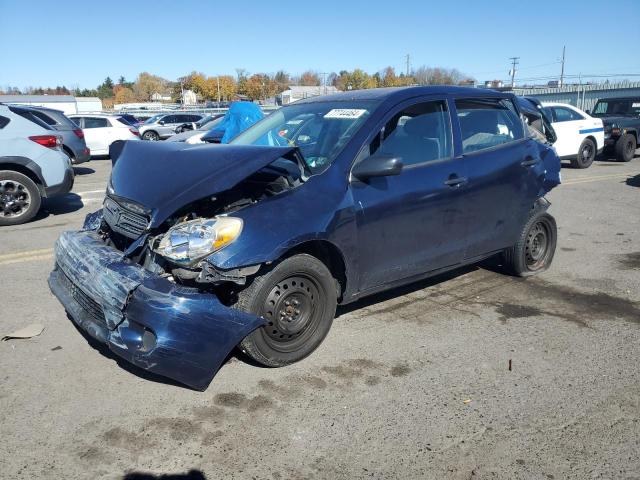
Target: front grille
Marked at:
88, 304
124, 220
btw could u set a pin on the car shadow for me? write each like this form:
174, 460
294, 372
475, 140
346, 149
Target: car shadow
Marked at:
190, 475
371, 300
83, 170
68, 203
633, 181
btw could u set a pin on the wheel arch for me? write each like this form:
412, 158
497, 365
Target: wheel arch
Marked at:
329, 254
27, 168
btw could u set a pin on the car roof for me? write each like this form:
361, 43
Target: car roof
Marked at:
402, 93
89, 114
636, 97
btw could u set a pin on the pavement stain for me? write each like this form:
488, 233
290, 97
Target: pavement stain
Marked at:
563, 302
630, 261
400, 370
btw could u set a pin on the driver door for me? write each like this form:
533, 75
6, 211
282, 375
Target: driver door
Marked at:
413, 222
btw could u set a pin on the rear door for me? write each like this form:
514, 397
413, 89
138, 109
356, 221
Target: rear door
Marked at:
567, 123
410, 223
503, 170
97, 134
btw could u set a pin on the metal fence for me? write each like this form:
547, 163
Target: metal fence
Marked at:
148, 112
582, 96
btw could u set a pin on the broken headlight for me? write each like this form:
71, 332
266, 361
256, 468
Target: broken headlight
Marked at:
191, 241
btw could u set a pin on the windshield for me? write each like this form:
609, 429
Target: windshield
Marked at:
618, 107
153, 119
319, 129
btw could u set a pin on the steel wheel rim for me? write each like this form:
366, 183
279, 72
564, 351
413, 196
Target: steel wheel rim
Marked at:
292, 309
15, 199
537, 246
587, 152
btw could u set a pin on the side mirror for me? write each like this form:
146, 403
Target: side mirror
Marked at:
588, 112
161, 122
377, 166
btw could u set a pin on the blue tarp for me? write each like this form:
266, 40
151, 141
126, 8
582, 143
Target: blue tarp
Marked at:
239, 117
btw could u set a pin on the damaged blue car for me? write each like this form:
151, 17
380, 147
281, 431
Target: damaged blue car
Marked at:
202, 248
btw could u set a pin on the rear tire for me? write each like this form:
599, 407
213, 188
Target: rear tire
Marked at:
586, 154
151, 136
19, 198
535, 248
297, 298
626, 148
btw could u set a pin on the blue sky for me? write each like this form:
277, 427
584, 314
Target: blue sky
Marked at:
79, 43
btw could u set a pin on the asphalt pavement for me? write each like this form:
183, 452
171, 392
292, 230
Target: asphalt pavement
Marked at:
470, 375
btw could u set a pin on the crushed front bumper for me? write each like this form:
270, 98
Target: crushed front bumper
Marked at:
174, 331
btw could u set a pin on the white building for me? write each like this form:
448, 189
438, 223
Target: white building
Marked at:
160, 97
65, 103
189, 97
298, 92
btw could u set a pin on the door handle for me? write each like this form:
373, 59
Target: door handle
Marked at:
455, 181
529, 161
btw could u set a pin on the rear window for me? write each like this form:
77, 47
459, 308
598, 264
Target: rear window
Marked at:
44, 117
124, 121
487, 123
29, 116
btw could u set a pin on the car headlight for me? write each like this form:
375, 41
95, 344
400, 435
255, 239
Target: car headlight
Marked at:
191, 241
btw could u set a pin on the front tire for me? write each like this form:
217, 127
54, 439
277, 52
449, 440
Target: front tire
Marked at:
535, 248
19, 198
297, 298
586, 154
626, 148
151, 136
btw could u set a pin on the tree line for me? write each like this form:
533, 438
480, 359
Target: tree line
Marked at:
255, 86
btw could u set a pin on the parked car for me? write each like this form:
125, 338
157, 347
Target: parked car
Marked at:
201, 248
163, 125
580, 136
621, 118
101, 130
73, 142
194, 136
131, 120
32, 166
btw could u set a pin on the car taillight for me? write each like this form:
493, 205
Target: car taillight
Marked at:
135, 132
49, 141
79, 133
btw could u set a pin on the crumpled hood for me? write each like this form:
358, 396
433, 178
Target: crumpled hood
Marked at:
164, 177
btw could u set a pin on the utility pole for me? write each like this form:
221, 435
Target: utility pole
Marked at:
408, 58
324, 80
218, 79
562, 68
514, 63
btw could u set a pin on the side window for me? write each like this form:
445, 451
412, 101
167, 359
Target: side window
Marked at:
566, 114
4, 121
95, 122
194, 118
77, 121
45, 118
169, 119
418, 134
487, 123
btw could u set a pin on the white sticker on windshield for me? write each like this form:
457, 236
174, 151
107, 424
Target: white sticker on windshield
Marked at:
635, 105
345, 113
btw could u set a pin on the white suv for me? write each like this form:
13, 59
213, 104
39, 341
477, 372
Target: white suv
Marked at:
101, 130
32, 165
